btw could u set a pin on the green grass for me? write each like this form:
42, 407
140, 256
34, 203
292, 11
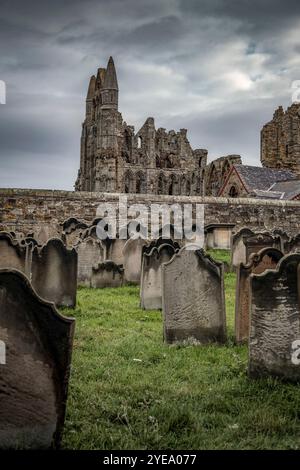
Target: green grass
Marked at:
128, 390
220, 255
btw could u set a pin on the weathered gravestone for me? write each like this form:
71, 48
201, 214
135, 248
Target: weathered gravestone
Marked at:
73, 230
107, 274
292, 245
275, 321
238, 248
13, 254
150, 292
193, 298
245, 242
158, 242
132, 253
54, 273
90, 252
35, 371
115, 250
258, 241
267, 258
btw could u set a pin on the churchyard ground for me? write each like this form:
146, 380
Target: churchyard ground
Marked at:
129, 390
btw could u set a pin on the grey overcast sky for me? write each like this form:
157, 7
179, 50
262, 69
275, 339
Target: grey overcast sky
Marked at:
218, 68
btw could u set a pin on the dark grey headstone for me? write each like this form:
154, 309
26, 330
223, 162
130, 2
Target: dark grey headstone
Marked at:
275, 321
35, 366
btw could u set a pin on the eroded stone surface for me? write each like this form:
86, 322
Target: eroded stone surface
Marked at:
132, 253
193, 298
90, 252
107, 274
258, 263
275, 320
14, 254
54, 273
151, 293
34, 377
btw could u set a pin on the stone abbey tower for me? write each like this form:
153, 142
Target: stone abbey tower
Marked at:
116, 159
280, 140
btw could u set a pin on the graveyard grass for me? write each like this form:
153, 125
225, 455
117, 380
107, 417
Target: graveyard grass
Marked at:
128, 390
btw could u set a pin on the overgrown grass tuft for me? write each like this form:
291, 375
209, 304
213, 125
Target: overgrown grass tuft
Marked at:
129, 390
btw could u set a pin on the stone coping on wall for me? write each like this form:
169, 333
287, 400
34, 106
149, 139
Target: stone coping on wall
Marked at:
146, 198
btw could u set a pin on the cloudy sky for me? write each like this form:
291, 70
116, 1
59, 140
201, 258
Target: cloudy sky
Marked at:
218, 68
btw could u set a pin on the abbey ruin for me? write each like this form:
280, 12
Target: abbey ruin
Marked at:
114, 158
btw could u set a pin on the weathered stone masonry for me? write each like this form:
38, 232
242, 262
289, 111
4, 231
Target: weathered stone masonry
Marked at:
42, 212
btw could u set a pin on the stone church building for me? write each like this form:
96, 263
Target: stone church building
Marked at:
153, 161
116, 159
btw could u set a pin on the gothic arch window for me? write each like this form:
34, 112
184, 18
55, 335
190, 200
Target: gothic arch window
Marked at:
127, 138
139, 142
213, 182
233, 192
199, 186
183, 186
140, 183
128, 182
160, 185
188, 188
172, 186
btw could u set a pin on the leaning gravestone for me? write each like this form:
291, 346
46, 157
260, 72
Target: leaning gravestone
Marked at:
107, 274
13, 254
193, 298
132, 253
54, 273
150, 294
90, 252
267, 258
34, 371
275, 321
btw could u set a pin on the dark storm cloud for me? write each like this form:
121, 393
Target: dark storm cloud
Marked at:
216, 67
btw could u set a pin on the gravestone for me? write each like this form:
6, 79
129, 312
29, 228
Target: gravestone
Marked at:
267, 258
90, 252
132, 253
158, 242
275, 321
107, 274
72, 231
150, 293
238, 248
115, 250
292, 245
35, 373
258, 241
193, 298
54, 273
13, 254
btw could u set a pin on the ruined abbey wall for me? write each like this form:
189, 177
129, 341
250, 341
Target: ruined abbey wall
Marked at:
280, 140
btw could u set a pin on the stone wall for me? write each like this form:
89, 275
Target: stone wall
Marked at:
42, 212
